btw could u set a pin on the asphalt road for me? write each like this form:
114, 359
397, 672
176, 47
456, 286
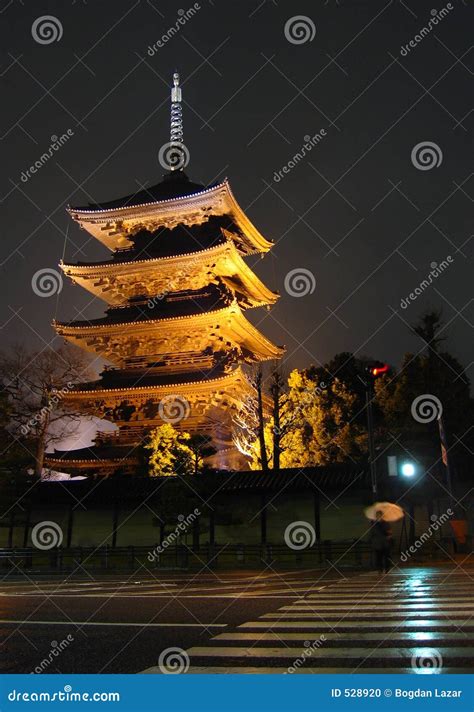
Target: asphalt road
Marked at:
411, 620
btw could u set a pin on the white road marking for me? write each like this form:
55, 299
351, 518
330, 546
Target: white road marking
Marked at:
344, 653
344, 637
121, 624
213, 670
315, 624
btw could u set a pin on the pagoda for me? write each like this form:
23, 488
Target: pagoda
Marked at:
175, 331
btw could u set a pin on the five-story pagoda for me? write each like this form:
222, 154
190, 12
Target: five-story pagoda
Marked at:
175, 329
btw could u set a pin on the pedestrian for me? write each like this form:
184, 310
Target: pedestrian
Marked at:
381, 537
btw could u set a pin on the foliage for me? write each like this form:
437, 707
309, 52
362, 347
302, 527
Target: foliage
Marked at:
438, 374
316, 423
170, 453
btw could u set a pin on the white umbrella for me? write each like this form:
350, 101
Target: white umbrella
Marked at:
390, 512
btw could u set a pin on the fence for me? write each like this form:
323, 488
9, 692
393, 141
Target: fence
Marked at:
350, 553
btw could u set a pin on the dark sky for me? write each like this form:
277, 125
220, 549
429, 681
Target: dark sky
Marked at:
356, 212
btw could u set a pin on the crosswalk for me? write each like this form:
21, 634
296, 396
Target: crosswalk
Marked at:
411, 621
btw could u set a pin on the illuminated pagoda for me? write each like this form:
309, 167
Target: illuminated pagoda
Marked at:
175, 330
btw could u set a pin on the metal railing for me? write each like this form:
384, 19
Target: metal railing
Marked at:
351, 553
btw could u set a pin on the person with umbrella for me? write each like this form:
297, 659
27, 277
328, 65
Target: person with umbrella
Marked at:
381, 513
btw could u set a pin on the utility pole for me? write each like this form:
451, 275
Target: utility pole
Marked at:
369, 393
372, 372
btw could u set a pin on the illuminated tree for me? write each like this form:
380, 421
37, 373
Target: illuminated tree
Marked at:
315, 426
250, 432
170, 453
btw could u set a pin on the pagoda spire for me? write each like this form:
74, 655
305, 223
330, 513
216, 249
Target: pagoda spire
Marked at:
176, 127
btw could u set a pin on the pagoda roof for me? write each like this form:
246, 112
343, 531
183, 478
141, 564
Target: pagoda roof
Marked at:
175, 184
217, 329
178, 240
116, 281
149, 377
197, 381
166, 306
116, 226
94, 453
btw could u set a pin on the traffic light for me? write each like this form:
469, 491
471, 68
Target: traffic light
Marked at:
378, 369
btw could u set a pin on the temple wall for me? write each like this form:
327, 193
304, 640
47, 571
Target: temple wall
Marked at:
238, 520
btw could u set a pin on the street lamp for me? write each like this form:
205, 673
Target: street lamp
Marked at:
408, 469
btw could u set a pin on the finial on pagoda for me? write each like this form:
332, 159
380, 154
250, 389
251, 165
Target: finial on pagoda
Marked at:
176, 133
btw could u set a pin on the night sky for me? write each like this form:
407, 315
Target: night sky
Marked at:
355, 211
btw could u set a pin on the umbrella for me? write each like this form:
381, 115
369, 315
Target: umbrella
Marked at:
390, 512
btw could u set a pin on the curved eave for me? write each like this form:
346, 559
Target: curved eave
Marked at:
82, 463
236, 377
106, 225
231, 319
112, 213
84, 275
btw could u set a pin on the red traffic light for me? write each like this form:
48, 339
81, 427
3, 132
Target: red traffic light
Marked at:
378, 370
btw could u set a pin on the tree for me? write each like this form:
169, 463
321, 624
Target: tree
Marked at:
201, 447
431, 373
261, 421
428, 328
277, 393
35, 383
170, 453
316, 418
250, 431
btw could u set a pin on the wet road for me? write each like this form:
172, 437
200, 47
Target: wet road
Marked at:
411, 620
